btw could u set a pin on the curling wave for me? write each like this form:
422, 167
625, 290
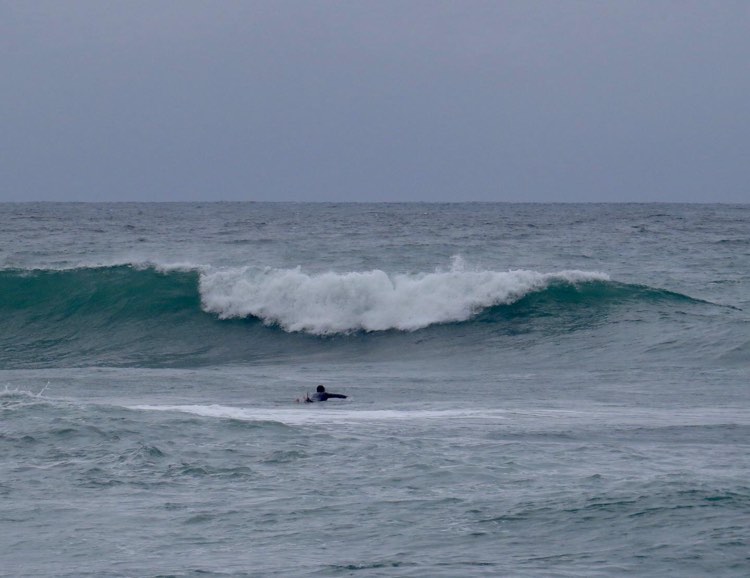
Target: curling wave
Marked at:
147, 315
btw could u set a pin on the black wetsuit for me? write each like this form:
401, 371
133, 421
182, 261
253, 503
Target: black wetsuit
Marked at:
324, 396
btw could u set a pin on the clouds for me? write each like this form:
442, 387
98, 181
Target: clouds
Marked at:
559, 101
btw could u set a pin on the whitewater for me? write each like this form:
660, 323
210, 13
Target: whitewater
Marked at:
533, 390
369, 301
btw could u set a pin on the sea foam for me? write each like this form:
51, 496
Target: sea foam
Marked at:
332, 302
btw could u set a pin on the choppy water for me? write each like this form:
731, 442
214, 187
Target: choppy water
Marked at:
534, 390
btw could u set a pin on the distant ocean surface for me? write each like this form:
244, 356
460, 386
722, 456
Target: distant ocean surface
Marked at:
533, 390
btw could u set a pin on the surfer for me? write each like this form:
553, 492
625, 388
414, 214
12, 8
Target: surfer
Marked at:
322, 395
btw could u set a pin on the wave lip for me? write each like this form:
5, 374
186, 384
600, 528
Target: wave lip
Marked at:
332, 303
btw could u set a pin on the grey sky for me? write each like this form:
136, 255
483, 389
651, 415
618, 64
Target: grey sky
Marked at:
380, 100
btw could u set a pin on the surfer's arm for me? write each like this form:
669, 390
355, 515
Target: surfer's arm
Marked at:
338, 395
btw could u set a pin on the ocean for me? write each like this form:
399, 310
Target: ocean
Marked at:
532, 390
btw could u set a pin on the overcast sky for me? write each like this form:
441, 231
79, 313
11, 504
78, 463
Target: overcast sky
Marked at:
621, 100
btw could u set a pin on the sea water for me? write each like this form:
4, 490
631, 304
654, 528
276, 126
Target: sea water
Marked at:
533, 390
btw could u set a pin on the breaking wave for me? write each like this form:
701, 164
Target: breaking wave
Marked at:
156, 315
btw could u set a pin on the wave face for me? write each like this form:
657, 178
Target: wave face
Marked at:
96, 316
155, 316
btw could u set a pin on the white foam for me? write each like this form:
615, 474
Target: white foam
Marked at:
329, 303
16, 391
541, 419
307, 414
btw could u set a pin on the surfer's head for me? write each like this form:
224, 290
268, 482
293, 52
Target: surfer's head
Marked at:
320, 389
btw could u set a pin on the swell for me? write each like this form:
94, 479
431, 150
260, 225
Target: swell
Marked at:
94, 316
147, 316
559, 298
